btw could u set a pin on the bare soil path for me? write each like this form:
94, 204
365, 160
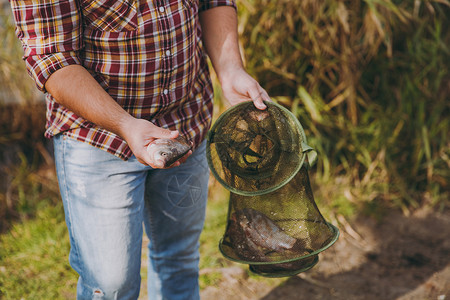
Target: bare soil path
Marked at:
398, 257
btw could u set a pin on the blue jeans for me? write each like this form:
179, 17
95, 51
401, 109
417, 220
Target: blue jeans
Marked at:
107, 201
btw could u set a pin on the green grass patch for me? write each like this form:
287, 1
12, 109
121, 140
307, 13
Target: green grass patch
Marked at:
215, 222
34, 252
34, 258
209, 279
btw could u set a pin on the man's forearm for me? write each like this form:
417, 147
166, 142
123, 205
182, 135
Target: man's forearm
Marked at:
220, 36
75, 88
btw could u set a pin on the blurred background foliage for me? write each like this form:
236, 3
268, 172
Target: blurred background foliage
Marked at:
22, 120
368, 80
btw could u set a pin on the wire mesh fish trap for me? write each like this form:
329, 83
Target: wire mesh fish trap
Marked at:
262, 158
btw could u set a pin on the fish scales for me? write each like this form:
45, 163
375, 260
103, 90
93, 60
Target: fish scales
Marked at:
164, 152
254, 235
268, 233
244, 246
263, 231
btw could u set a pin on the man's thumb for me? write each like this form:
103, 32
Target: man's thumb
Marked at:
162, 133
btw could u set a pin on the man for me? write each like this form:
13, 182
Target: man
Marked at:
119, 74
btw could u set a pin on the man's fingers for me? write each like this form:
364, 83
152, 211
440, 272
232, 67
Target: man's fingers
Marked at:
258, 96
161, 133
265, 96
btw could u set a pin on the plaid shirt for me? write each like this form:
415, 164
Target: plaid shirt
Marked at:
147, 55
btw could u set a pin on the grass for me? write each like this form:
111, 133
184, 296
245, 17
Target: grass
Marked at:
34, 253
215, 222
27, 183
34, 258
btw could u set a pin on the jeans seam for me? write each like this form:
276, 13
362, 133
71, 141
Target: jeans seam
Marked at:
150, 234
69, 205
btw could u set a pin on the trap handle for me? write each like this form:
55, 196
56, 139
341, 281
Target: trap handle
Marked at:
311, 155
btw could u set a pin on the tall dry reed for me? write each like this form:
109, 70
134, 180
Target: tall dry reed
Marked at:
369, 80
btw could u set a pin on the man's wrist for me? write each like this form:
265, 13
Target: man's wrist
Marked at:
126, 125
229, 73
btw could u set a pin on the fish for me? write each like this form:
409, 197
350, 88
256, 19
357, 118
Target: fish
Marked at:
263, 231
244, 247
164, 152
253, 235
259, 115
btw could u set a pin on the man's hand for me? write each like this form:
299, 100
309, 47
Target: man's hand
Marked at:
139, 133
239, 86
67, 84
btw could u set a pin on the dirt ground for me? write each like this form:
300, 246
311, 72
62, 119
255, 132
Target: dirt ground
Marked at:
398, 257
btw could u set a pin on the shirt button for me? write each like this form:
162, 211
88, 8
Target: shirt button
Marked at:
161, 9
168, 52
166, 91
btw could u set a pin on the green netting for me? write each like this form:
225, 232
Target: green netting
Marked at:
254, 152
273, 222
282, 231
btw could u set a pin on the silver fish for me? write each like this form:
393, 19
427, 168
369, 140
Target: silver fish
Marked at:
164, 152
262, 231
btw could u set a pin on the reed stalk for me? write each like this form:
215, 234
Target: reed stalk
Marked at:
369, 81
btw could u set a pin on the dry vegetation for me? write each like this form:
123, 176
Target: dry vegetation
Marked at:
368, 80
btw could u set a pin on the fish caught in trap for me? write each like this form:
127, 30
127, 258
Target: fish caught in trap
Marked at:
262, 158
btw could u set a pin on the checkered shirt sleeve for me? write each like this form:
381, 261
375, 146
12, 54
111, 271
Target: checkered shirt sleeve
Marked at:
50, 32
